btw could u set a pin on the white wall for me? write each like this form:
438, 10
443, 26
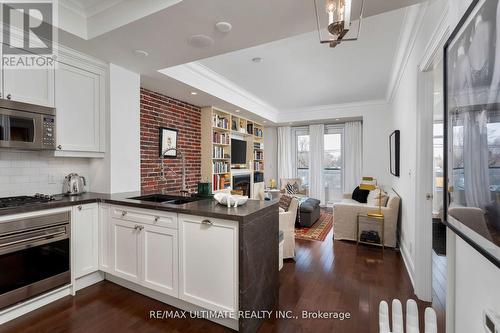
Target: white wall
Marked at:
377, 126
120, 171
404, 118
271, 157
476, 280
30, 172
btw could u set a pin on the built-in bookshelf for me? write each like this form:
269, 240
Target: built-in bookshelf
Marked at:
218, 127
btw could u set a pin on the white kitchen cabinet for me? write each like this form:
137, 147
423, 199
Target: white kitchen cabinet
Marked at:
208, 262
125, 250
35, 86
81, 104
85, 224
160, 259
104, 238
144, 248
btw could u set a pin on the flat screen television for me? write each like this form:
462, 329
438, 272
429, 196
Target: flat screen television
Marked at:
238, 151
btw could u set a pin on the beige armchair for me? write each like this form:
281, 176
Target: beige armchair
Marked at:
345, 218
287, 225
303, 191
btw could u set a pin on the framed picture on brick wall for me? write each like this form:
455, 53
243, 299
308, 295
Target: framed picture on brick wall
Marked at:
168, 142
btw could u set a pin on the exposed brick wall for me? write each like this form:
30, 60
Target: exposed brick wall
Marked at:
157, 111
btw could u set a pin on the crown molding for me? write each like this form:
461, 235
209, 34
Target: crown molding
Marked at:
205, 79
412, 23
337, 107
436, 42
76, 7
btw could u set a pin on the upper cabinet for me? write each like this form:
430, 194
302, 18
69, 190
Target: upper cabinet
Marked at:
80, 104
76, 88
35, 86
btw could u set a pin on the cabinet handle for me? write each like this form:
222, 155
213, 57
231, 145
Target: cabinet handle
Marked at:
157, 218
136, 227
207, 222
141, 227
9, 96
59, 147
80, 207
124, 213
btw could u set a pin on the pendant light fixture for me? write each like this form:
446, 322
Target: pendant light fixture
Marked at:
335, 19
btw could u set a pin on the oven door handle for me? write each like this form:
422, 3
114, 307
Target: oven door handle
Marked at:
35, 238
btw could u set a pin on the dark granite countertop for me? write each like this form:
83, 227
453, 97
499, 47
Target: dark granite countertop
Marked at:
205, 207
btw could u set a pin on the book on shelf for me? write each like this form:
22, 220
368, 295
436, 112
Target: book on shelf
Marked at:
258, 145
221, 182
219, 152
220, 167
258, 155
258, 132
220, 122
221, 138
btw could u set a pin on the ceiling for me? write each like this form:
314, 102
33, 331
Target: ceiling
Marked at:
299, 72
280, 31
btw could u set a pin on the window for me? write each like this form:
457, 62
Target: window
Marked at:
493, 134
301, 151
333, 163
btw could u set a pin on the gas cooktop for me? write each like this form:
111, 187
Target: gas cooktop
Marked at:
10, 202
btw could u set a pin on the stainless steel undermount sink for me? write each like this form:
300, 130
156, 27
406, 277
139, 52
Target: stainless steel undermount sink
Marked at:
166, 199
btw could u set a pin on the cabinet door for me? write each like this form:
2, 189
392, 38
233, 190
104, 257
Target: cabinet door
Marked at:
85, 240
78, 103
104, 238
125, 250
35, 86
208, 262
160, 259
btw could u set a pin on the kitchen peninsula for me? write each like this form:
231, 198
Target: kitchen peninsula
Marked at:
193, 254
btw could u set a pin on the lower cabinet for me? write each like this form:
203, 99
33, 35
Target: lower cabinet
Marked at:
143, 253
208, 262
85, 224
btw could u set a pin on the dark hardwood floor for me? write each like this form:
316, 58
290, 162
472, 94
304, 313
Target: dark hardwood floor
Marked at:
327, 276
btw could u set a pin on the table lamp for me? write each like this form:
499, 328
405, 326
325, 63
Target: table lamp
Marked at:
370, 184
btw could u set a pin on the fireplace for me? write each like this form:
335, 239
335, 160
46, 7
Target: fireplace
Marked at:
241, 183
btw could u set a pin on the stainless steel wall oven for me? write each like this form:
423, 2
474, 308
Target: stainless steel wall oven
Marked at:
34, 256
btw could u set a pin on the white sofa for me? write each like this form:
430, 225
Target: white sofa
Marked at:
287, 225
345, 215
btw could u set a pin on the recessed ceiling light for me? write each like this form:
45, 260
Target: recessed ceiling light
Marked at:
194, 93
337, 119
290, 123
237, 110
257, 60
141, 53
201, 41
224, 27
265, 121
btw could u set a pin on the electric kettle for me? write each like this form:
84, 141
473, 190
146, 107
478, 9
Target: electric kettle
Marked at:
74, 184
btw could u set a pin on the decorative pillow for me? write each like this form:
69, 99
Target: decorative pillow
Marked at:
285, 201
360, 195
373, 198
292, 188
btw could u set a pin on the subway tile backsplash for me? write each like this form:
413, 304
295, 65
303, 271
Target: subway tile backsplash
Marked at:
28, 172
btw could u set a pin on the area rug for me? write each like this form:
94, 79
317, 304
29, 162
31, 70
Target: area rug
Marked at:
319, 230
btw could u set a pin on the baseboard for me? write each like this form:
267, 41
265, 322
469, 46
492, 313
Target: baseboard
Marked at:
35, 303
408, 263
88, 280
175, 302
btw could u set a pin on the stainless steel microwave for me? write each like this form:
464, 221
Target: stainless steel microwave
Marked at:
27, 126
